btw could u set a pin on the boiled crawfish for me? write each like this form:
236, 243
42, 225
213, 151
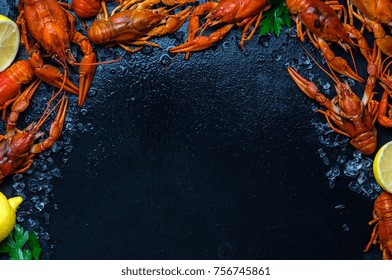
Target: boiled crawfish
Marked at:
323, 27
87, 8
53, 27
385, 109
18, 147
346, 113
135, 23
382, 231
228, 12
373, 14
11, 81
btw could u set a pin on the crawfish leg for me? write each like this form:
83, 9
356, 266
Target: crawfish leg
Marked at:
21, 22
21, 104
194, 22
249, 23
337, 63
203, 42
373, 238
362, 43
50, 74
384, 41
55, 129
311, 90
140, 43
87, 66
373, 70
172, 23
383, 107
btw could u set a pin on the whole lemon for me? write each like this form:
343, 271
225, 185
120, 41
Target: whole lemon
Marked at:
8, 214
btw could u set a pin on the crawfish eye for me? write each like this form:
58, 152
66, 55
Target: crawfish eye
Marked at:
317, 24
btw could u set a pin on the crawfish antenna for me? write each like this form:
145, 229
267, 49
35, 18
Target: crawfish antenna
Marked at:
385, 68
97, 63
48, 111
331, 74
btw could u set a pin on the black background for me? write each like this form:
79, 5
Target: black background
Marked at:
211, 158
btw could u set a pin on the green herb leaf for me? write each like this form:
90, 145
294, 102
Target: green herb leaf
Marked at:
34, 245
4, 248
18, 248
275, 18
21, 236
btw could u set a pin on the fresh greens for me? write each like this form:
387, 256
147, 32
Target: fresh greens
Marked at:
275, 18
21, 245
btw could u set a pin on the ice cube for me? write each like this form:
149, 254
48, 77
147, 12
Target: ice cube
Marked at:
333, 172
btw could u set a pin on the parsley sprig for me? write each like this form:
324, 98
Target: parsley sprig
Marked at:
275, 18
21, 245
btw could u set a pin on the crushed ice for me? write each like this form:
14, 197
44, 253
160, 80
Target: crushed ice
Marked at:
36, 184
351, 165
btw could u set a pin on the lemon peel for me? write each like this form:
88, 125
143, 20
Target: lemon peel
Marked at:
9, 42
382, 167
8, 214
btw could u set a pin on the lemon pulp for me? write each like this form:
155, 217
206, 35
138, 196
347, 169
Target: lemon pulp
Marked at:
382, 167
9, 42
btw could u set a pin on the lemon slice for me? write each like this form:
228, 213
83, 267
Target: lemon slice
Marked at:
9, 42
382, 167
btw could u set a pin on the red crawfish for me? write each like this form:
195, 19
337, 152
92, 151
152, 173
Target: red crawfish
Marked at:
382, 221
11, 80
346, 114
385, 109
52, 26
323, 27
18, 147
229, 13
374, 14
135, 23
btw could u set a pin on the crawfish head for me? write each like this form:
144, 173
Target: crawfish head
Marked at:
357, 120
231, 11
21, 142
349, 103
15, 150
55, 40
48, 24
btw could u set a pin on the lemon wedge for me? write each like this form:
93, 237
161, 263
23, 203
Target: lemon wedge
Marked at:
9, 42
382, 167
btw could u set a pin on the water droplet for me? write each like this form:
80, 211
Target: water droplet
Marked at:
225, 45
124, 70
276, 55
264, 40
92, 92
147, 50
165, 60
113, 71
